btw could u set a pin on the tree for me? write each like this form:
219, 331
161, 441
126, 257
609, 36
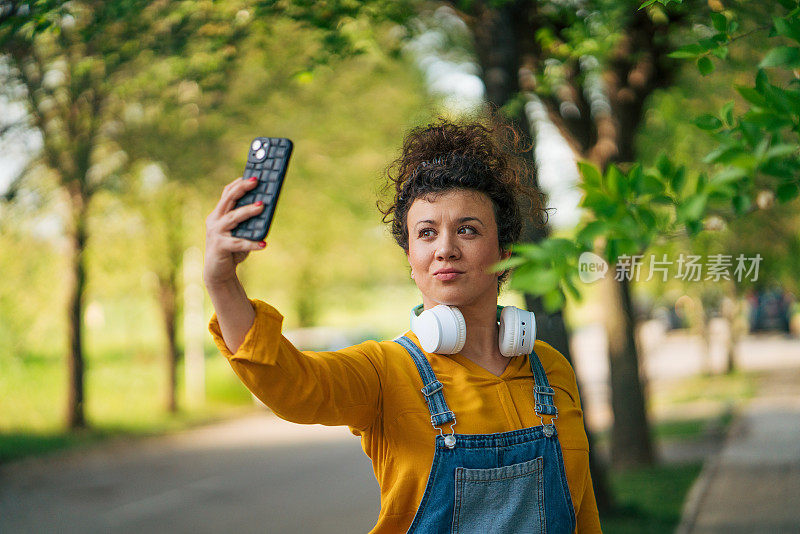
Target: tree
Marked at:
70, 57
757, 149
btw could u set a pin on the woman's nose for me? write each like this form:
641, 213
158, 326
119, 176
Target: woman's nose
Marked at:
447, 249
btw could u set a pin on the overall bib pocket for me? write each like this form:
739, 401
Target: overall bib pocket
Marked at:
507, 499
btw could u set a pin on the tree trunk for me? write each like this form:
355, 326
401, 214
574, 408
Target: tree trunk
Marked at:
167, 299
731, 309
496, 46
630, 432
77, 236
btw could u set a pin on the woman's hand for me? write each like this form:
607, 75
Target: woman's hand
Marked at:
223, 251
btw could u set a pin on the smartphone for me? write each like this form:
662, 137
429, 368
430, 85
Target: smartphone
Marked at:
267, 160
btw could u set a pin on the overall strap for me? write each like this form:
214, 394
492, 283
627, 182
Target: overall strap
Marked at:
542, 392
440, 413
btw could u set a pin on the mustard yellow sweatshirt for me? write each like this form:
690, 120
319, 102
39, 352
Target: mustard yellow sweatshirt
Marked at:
374, 389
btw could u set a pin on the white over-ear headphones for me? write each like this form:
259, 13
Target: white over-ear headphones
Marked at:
442, 330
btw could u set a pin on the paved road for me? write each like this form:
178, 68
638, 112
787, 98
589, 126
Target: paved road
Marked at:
667, 357
753, 483
261, 474
258, 474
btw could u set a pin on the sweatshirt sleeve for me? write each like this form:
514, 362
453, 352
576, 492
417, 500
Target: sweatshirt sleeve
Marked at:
330, 388
588, 520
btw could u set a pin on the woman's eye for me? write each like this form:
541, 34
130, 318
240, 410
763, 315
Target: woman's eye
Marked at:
427, 232
467, 230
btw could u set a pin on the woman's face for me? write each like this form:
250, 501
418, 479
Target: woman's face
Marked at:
452, 241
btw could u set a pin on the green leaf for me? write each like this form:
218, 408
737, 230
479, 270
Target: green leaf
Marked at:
752, 96
762, 81
786, 192
589, 233
708, 44
731, 155
741, 203
626, 225
721, 52
647, 217
694, 227
767, 120
719, 22
708, 122
591, 175
794, 98
661, 199
761, 149
617, 247
553, 301
559, 247
599, 203
705, 66
634, 177
664, 165
787, 27
534, 279
678, 180
720, 39
651, 185
531, 251
688, 51
726, 113
782, 56
779, 151
751, 132
727, 176
614, 182
570, 286
510, 263
723, 196
693, 208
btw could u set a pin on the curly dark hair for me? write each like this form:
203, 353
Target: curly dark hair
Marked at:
477, 155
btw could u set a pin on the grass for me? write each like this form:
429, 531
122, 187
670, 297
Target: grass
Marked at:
649, 499
124, 397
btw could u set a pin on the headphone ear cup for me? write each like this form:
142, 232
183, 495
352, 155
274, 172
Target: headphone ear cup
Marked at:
440, 330
460, 330
509, 331
517, 332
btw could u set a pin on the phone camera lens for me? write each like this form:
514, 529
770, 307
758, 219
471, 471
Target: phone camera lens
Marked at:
256, 145
261, 153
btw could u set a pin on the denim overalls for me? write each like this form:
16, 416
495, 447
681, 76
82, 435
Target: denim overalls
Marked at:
508, 482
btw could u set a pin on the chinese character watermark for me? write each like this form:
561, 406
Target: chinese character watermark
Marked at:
689, 268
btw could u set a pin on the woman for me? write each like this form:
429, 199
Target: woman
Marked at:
459, 439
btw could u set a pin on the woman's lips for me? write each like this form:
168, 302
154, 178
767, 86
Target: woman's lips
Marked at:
447, 276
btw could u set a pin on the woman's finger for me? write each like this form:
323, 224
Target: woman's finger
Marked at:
230, 194
229, 221
236, 244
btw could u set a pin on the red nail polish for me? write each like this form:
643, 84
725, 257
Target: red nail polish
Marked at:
253, 178
258, 203
262, 244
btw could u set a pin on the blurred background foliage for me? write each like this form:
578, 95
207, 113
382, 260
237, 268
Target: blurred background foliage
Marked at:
182, 109
185, 86
328, 252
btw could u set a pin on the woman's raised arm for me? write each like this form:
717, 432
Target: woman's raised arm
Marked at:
223, 253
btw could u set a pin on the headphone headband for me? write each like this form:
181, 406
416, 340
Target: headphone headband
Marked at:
419, 308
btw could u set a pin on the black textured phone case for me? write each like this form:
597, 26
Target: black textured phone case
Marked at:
267, 160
